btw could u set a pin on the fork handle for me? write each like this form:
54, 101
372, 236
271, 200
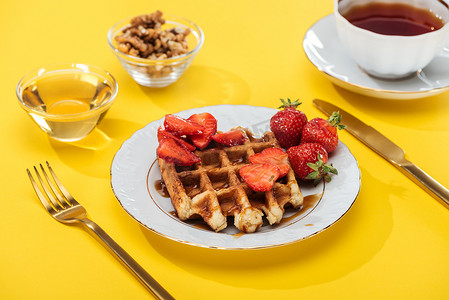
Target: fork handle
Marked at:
146, 279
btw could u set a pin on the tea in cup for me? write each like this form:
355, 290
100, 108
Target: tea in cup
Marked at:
392, 39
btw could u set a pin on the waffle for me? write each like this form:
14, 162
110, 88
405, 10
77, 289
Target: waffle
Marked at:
214, 190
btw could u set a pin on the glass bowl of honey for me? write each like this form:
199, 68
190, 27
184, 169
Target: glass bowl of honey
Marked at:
67, 101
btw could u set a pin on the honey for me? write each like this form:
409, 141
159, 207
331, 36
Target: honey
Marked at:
63, 102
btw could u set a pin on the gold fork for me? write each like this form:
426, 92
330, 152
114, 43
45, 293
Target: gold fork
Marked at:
64, 208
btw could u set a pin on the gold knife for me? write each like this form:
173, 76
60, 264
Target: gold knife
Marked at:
388, 150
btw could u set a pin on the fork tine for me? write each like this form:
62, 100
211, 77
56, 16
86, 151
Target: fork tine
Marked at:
40, 195
61, 199
77, 214
50, 196
61, 187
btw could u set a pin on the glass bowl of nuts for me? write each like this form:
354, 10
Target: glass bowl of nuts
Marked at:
154, 49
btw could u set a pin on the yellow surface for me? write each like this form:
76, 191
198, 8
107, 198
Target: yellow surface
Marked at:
392, 244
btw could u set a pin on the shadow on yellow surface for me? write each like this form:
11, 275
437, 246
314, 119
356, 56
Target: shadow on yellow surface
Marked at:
93, 155
312, 261
423, 114
223, 87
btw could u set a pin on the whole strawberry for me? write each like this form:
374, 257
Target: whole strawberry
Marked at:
323, 132
288, 123
309, 162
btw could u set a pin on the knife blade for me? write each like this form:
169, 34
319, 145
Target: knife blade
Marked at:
388, 150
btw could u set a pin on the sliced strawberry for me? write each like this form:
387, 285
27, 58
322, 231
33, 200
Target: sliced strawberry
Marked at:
163, 134
260, 177
179, 126
173, 151
275, 156
230, 138
210, 128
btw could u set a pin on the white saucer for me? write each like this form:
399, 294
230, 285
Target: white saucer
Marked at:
134, 172
323, 48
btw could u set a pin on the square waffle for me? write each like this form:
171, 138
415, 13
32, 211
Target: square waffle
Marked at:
214, 190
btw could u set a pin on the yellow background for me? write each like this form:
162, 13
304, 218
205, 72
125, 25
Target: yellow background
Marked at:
392, 244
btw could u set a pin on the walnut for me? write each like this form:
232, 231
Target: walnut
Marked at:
135, 42
124, 47
157, 44
152, 19
144, 38
133, 52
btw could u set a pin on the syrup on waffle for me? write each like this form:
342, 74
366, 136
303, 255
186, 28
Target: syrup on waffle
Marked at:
213, 189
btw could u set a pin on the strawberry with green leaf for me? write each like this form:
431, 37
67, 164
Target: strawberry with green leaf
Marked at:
323, 132
287, 124
309, 162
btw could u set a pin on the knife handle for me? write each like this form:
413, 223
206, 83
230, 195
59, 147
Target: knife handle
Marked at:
425, 181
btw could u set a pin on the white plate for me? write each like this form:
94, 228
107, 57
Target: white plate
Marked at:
323, 48
134, 172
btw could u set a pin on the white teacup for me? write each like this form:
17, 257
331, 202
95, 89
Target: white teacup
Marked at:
392, 56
